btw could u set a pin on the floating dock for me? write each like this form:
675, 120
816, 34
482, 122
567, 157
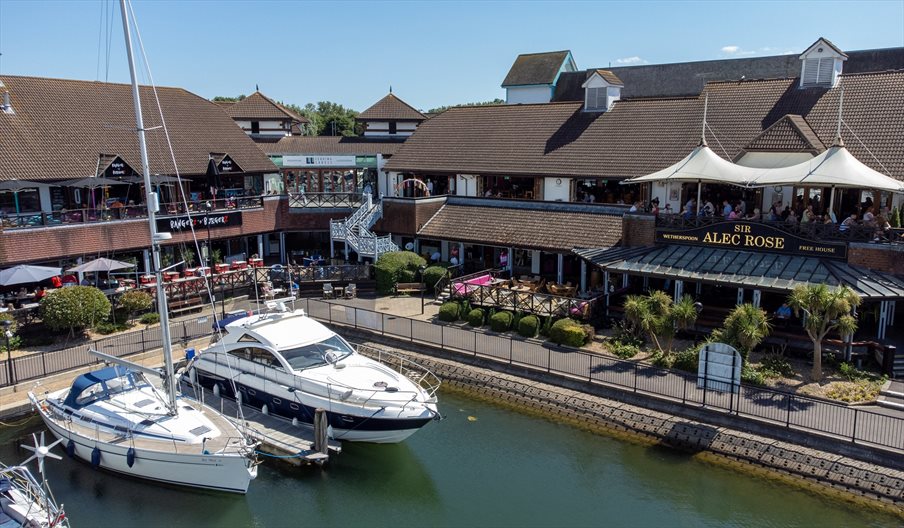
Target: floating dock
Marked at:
279, 437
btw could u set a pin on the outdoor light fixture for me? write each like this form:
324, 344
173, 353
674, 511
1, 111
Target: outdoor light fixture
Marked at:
7, 333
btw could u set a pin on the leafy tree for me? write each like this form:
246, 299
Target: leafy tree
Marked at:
75, 308
227, 99
657, 316
746, 327
329, 119
134, 301
825, 310
439, 109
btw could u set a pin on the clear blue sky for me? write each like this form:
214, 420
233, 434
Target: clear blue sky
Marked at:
432, 53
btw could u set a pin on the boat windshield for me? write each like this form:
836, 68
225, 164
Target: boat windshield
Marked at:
329, 350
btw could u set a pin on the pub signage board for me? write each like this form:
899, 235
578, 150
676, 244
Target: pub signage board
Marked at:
176, 224
752, 236
118, 169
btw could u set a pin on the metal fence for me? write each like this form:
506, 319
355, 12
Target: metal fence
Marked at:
775, 407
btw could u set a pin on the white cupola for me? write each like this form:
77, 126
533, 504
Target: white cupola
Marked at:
821, 64
601, 90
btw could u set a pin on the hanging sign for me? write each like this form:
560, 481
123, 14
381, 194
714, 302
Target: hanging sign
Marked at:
118, 169
753, 236
318, 161
175, 224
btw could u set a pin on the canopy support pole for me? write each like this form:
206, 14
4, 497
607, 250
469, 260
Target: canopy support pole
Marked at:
583, 276
679, 290
699, 193
756, 298
832, 201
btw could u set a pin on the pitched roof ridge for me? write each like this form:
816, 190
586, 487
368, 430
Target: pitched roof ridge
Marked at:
543, 53
86, 81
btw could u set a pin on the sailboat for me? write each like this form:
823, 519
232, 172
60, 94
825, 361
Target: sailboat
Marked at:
25, 503
117, 420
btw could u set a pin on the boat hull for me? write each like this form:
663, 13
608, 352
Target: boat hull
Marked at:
207, 471
375, 427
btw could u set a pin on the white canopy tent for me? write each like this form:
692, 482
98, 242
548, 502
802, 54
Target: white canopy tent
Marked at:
701, 165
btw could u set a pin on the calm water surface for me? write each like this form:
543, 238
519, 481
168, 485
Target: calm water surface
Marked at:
482, 466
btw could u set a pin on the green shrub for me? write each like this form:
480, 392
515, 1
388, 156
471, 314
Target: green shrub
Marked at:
688, 359
475, 317
501, 321
74, 308
752, 375
432, 275
625, 335
516, 318
567, 332
110, 328
623, 350
589, 332
389, 266
546, 326
528, 326
449, 311
407, 275
14, 341
663, 359
776, 366
134, 301
150, 318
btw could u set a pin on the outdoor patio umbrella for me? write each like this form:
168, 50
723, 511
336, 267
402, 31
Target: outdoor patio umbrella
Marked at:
93, 182
26, 273
213, 178
101, 264
19, 185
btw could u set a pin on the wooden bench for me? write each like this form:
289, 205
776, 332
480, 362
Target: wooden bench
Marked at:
408, 287
185, 305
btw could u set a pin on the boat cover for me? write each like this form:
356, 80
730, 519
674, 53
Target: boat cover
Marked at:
90, 379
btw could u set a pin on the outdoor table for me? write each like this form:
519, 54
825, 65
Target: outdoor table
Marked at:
190, 272
239, 265
256, 263
170, 276
221, 268
203, 271
147, 279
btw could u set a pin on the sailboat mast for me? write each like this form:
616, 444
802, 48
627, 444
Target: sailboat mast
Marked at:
152, 204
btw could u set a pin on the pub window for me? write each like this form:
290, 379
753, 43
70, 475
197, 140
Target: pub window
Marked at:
255, 127
392, 127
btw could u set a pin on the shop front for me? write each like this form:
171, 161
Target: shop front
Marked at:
316, 174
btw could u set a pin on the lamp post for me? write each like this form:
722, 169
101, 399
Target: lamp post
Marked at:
7, 324
421, 268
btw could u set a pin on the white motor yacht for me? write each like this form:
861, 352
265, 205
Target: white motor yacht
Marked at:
287, 364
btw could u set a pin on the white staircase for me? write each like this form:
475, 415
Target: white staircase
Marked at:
355, 230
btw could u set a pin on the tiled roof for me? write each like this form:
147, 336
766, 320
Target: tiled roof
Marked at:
688, 78
537, 225
791, 133
259, 106
640, 136
557, 139
391, 108
60, 127
535, 68
609, 77
331, 145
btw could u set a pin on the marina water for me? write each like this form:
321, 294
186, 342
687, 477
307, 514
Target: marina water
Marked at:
481, 466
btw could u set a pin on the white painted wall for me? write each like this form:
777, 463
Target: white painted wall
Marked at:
538, 93
381, 128
268, 128
466, 185
387, 181
557, 189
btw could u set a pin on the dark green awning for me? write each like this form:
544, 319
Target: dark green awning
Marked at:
747, 269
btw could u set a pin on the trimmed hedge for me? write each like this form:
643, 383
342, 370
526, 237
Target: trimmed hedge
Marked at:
388, 269
449, 312
501, 321
432, 275
74, 308
567, 332
475, 317
528, 326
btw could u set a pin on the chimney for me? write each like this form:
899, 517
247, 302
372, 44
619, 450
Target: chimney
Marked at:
7, 106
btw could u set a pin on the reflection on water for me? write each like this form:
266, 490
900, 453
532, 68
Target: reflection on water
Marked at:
498, 468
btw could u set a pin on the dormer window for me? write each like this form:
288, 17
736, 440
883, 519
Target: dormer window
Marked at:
821, 65
601, 90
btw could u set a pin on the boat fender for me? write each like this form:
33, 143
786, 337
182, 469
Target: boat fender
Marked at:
193, 376
295, 422
216, 390
130, 457
70, 449
265, 410
95, 457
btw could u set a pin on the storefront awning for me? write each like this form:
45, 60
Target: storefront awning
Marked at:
743, 269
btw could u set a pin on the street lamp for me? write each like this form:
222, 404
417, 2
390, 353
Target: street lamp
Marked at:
7, 333
421, 268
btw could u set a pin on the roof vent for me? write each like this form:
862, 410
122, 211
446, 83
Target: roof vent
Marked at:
821, 65
7, 106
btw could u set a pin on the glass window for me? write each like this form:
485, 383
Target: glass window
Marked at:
330, 350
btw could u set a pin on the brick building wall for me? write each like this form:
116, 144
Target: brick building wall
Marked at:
887, 258
638, 230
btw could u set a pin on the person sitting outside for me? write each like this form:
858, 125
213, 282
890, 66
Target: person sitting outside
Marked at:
775, 212
727, 209
848, 222
755, 216
783, 312
808, 215
883, 229
735, 214
654, 207
635, 208
792, 218
708, 208
869, 219
40, 293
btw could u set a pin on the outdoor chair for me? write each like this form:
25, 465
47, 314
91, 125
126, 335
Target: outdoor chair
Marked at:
328, 291
351, 291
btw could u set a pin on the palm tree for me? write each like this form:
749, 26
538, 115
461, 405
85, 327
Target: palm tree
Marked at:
746, 326
657, 316
825, 310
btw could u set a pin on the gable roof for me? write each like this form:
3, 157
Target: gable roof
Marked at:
825, 41
535, 68
60, 127
259, 106
391, 108
332, 145
791, 133
607, 76
529, 225
689, 78
640, 136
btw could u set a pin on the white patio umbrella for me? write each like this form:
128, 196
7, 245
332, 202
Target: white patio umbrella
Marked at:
701, 165
26, 273
16, 186
100, 264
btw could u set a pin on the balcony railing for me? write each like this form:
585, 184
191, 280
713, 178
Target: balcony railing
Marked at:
128, 212
319, 200
808, 230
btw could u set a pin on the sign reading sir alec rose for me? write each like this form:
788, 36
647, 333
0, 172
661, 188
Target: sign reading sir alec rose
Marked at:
752, 236
199, 221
